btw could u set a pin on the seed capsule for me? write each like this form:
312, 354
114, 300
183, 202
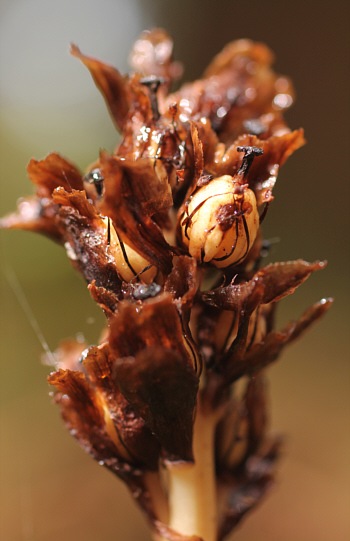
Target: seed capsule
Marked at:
221, 222
128, 262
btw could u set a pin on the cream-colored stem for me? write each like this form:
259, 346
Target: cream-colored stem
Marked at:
192, 490
157, 496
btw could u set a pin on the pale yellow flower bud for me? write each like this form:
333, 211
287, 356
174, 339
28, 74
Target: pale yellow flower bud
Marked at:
128, 262
221, 222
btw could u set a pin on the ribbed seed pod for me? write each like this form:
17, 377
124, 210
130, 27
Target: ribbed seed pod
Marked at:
221, 222
129, 263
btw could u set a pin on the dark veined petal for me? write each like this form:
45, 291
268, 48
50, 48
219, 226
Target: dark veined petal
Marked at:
130, 216
162, 388
156, 363
270, 284
86, 239
111, 84
182, 284
240, 362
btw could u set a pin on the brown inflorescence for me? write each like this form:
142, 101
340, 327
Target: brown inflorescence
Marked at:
166, 232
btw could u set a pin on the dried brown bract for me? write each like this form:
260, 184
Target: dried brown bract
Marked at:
166, 232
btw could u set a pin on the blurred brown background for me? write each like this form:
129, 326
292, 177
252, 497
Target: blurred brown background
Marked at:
51, 490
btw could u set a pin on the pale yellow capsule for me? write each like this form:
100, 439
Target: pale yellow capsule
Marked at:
128, 262
221, 222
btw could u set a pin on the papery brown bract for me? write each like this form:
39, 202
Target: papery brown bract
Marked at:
269, 284
39, 214
83, 413
111, 84
162, 388
263, 172
136, 440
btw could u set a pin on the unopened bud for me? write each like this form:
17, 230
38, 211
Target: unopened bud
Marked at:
221, 222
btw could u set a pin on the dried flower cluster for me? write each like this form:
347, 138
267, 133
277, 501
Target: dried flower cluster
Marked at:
166, 232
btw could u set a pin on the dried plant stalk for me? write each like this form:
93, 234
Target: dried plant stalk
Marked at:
166, 231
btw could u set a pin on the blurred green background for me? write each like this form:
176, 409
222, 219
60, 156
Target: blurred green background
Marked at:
50, 489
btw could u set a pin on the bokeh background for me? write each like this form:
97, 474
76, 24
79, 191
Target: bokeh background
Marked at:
51, 490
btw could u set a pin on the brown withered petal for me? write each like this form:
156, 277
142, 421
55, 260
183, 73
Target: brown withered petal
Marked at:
263, 87
76, 199
33, 214
52, 172
156, 323
140, 115
139, 181
233, 53
140, 445
68, 354
270, 284
152, 55
86, 240
182, 283
111, 84
39, 213
105, 298
83, 414
197, 157
155, 357
231, 91
208, 137
162, 388
263, 173
311, 315
247, 491
243, 362
131, 219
